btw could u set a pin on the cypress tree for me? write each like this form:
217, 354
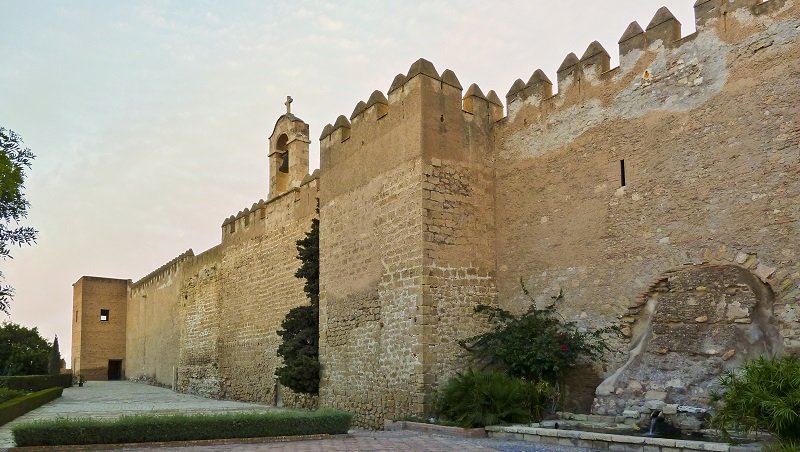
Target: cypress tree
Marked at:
300, 329
54, 363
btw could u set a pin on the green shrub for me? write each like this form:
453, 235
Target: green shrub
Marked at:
36, 382
478, 399
537, 345
786, 446
134, 429
8, 394
16, 407
764, 394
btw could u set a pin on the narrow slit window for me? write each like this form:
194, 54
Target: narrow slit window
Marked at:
622, 172
104, 315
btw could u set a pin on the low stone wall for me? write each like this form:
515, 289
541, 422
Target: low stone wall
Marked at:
592, 440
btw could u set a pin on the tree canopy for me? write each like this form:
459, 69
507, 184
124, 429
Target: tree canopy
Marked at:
23, 351
14, 159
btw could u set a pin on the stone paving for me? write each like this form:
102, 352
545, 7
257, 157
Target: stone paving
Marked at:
113, 399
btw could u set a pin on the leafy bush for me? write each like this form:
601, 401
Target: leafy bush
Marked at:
36, 382
763, 394
539, 344
16, 407
23, 351
8, 394
478, 399
134, 429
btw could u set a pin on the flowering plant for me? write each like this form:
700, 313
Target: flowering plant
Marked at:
537, 345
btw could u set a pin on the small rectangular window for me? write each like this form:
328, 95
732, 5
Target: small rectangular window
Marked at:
104, 315
622, 172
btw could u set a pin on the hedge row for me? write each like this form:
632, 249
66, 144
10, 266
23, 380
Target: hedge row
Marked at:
36, 382
15, 408
149, 428
8, 394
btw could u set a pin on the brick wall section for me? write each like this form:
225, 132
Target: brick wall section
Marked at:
95, 342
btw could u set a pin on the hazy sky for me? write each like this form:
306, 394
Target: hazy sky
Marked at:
150, 119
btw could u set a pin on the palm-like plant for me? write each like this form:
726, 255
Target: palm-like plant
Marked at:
763, 395
480, 398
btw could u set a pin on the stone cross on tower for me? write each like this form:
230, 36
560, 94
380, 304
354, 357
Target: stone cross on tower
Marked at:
288, 104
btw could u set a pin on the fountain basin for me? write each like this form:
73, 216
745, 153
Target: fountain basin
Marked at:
598, 440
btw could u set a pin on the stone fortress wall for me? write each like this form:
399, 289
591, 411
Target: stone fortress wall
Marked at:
207, 323
706, 126
432, 200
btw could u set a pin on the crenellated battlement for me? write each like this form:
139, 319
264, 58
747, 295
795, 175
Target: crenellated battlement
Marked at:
252, 220
162, 272
578, 79
418, 97
590, 76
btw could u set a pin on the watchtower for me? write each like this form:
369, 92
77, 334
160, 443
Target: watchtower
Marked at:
99, 322
288, 153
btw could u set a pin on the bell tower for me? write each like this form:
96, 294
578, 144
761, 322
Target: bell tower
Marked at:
288, 152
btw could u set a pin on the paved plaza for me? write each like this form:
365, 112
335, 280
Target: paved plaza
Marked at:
106, 400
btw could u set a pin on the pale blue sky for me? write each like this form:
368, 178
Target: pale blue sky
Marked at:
149, 119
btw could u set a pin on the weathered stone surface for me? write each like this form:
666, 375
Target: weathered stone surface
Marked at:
655, 395
670, 408
654, 404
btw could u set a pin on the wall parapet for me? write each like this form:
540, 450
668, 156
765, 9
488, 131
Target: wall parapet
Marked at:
259, 211
662, 34
402, 106
164, 270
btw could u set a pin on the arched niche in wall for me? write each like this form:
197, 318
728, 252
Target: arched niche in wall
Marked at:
281, 160
694, 323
